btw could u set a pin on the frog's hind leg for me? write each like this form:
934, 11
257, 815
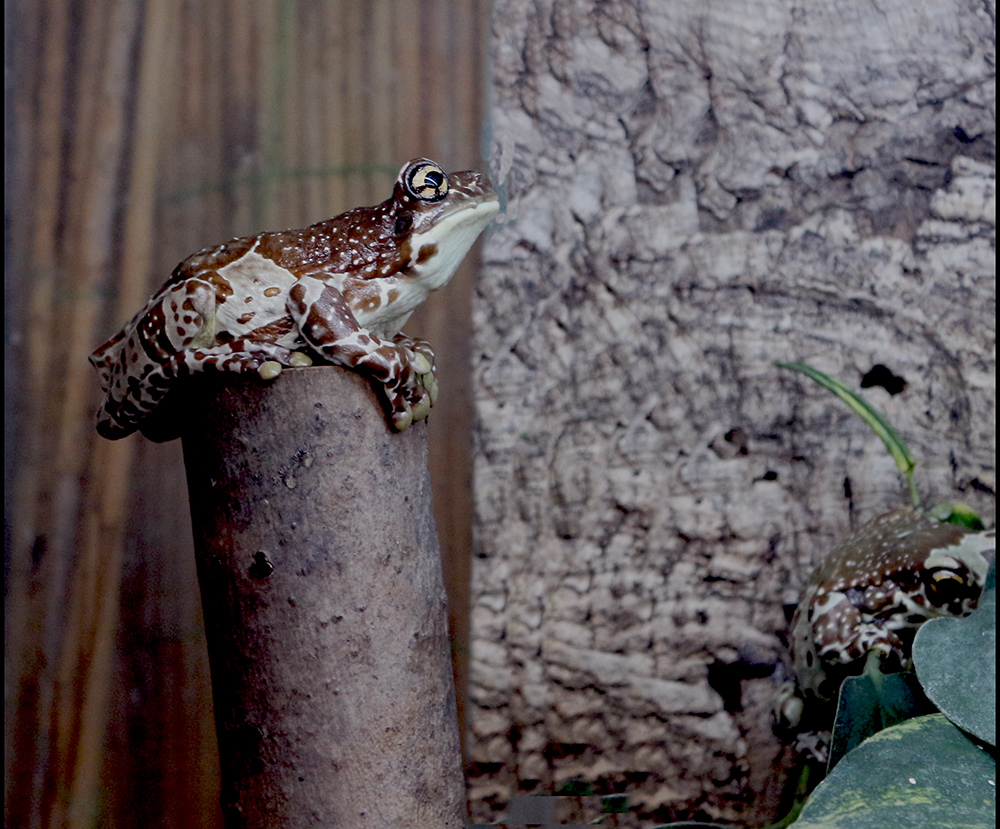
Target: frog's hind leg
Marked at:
127, 407
106, 357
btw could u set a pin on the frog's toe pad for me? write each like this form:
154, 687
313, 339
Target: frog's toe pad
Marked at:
788, 706
429, 382
300, 359
269, 369
421, 365
420, 410
402, 420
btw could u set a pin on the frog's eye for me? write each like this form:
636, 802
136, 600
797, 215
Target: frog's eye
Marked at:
427, 182
946, 586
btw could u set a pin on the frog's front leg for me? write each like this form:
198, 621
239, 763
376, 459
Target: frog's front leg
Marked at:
326, 322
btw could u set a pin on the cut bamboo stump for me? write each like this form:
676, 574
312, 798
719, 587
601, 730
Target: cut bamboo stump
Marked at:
324, 606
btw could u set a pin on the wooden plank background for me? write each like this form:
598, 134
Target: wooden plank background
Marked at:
139, 132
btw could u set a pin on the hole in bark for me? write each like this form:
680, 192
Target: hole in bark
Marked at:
261, 567
560, 751
637, 778
846, 174
725, 679
879, 375
726, 683
964, 137
979, 486
514, 736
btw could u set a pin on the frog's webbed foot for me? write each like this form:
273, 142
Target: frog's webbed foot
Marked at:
270, 369
815, 745
244, 357
423, 361
409, 401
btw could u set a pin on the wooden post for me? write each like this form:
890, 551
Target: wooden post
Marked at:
324, 607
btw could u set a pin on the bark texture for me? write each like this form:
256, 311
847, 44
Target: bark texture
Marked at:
695, 190
324, 607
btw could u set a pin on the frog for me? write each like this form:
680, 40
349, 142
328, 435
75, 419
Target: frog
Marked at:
338, 291
871, 594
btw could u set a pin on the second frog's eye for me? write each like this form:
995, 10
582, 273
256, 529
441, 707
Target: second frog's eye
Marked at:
946, 586
427, 182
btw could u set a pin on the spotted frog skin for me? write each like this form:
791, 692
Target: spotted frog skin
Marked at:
340, 290
876, 588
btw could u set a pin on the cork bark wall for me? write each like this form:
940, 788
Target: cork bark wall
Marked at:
695, 190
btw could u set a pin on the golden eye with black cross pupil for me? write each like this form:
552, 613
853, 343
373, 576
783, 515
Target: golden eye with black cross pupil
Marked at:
945, 587
427, 182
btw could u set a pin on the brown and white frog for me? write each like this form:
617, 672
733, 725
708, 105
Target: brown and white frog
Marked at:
871, 594
339, 290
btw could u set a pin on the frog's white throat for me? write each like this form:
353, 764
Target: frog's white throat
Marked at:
436, 255
439, 250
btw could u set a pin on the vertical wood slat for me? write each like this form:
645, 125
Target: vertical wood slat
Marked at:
50, 491
408, 107
219, 67
267, 103
57, 729
311, 93
353, 103
330, 106
282, 184
381, 96
104, 526
240, 80
38, 121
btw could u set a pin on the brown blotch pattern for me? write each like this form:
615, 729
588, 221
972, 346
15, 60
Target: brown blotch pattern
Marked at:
212, 258
272, 331
426, 252
223, 289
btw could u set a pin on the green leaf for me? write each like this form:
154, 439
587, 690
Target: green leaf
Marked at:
878, 423
921, 773
871, 702
691, 824
956, 662
961, 515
